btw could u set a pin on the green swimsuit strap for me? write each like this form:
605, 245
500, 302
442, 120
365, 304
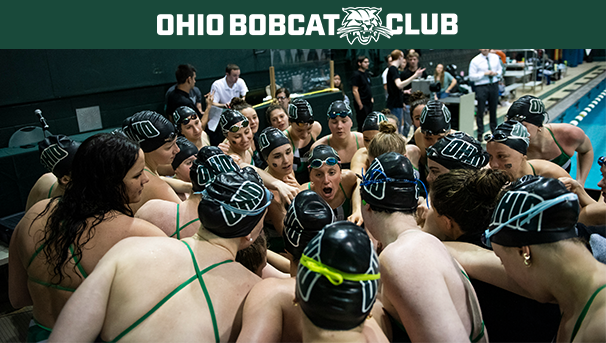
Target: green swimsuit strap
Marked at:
533, 171
357, 144
178, 232
51, 285
577, 325
50, 191
175, 291
345, 194
291, 141
558, 144
80, 268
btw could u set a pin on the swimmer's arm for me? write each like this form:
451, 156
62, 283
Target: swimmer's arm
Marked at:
593, 214
584, 159
484, 265
351, 181
165, 170
287, 193
18, 292
280, 262
321, 141
316, 130
262, 316
270, 271
575, 187
414, 284
177, 185
275, 214
44, 183
594, 331
82, 317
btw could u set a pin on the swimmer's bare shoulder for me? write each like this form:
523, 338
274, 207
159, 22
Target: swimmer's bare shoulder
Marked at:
159, 212
40, 189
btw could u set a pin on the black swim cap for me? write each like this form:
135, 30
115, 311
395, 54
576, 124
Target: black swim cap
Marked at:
513, 134
187, 150
57, 153
210, 162
269, 139
229, 118
535, 210
435, 118
181, 114
307, 214
339, 108
458, 150
300, 111
150, 129
529, 109
390, 184
234, 203
323, 154
338, 277
372, 121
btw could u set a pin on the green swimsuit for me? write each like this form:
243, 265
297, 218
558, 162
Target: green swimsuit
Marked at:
178, 232
577, 325
563, 160
198, 276
344, 210
348, 164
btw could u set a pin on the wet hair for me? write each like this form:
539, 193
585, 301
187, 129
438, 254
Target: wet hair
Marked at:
468, 196
255, 255
231, 67
96, 188
274, 105
184, 71
282, 90
387, 140
417, 99
239, 104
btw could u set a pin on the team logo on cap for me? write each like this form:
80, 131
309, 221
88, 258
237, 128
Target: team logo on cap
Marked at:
362, 24
263, 141
141, 130
516, 202
292, 225
518, 130
217, 164
445, 111
465, 152
307, 278
536, 106
370, 287
52, 155
248, 197
376, 190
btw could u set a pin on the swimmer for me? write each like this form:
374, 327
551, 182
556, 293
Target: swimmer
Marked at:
593, 213
302, 133
277, 116
236, 128
158, 140
192, 292
553, 142
345, 142
537, 254
457, 150
180, 168
337, 285
418, 101
56, 155
435, 301
333, 184
435, 123
278, 320
507, 148
189, 125
60, 241
181, 220
277, 152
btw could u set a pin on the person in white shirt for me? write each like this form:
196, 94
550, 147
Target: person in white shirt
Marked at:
384, 75
485, 71
229, 87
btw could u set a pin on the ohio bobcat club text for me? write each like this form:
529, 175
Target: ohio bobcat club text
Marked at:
297, 24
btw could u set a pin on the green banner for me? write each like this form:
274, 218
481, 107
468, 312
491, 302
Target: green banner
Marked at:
441, 24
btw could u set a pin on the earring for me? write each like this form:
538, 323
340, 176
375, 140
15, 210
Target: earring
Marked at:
527, 262
294, 302
250, 239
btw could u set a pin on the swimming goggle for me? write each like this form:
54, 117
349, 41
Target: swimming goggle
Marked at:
304, 124
317, 163
333, 115
188, 119
517, 117
601, 161
367, 181
235, 128
529, 214
499, 136
430, 132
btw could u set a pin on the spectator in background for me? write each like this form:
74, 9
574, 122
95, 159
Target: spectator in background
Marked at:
339, 86
412, 65
194, 94
485, 71
384, 75
361, 87
180, 96
447, 82
395, 99
283, 97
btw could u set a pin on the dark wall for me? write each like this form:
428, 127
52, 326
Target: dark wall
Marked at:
120, 82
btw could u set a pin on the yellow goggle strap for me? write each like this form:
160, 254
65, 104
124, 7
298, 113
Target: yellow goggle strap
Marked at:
333, 275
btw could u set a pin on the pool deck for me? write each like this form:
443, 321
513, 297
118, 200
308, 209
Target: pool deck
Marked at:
557, 96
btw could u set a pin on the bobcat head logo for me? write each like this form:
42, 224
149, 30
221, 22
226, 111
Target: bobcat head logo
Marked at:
363, 24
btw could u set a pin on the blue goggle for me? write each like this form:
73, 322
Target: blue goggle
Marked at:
317, 163
601, 161
530, 213
370, 173
333, 115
